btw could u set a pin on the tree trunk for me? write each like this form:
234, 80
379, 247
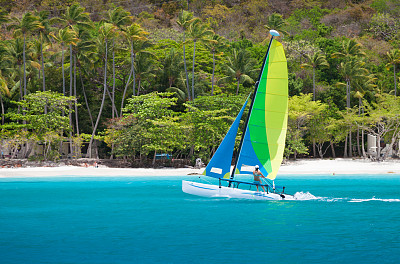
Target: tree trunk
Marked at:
358, 141
123, 96
194, 56
76, 99
138, 89
154, 158
113, 88
320, 152
127, 83
62, 66
345, 148
212, 79
184, 63
113, 94
395, 81
70, 94
378, 149
313, 146
134, 75
86, 101
2, 109
350, 146
362, 144
237, 87
23, 55
42, 58
113, 109
63, 78
313, 79
333, 150
101, 107
21, 93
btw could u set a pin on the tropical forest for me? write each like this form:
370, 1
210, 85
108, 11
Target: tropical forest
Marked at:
144, 80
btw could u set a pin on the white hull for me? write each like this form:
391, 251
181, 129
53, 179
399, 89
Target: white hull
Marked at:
209, 190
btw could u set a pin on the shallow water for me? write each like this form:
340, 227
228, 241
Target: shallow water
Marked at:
150, 220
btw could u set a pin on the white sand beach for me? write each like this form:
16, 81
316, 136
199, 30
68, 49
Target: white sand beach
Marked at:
299, 167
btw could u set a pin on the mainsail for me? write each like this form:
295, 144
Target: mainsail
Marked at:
264, 139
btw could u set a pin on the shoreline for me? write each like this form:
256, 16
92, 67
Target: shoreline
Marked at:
295, 168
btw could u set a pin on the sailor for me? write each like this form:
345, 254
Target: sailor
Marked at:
257, 177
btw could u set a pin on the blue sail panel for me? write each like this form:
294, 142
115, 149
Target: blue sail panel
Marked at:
220, 164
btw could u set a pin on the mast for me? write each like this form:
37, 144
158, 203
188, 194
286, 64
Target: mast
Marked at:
273, 33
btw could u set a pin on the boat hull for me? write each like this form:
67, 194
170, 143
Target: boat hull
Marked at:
209, 190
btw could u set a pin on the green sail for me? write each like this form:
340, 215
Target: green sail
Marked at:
264, 139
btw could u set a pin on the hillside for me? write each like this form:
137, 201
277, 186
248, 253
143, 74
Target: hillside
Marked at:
130, 71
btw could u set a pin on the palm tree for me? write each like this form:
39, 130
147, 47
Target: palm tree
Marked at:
3, 16
107, 32
351, 70
350, 48
82, 52
276, 22
137, 41
74, 15
172, 65
394, 58
198, 32
44, 33
185, 18
3, 90
65, 36
138, 47
119, 18
315, 61
318, 59
14, 50
239, 66
4, 64
214, 47
25, 26
145, 68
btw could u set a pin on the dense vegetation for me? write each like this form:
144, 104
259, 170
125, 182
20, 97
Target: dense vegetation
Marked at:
136, 78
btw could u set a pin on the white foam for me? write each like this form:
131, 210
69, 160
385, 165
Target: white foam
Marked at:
355, 200
373, 199
304, 196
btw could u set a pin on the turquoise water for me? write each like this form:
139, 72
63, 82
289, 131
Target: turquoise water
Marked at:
150, 220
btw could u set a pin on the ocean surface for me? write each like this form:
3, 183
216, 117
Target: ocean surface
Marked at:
356, 219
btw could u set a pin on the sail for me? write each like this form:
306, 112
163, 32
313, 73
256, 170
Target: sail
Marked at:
220, 164
264, 138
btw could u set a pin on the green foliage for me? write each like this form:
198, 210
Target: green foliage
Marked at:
155, 51
384, 26
387, 6
208, 119
313, 16
43, 113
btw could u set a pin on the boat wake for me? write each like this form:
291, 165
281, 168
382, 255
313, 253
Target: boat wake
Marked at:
305, 196
356, 200
373, 199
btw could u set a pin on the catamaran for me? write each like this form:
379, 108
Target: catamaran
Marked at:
263, 140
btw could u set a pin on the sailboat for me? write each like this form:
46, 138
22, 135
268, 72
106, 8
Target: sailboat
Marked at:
263, 140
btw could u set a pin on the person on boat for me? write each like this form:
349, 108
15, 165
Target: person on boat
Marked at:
257, 177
